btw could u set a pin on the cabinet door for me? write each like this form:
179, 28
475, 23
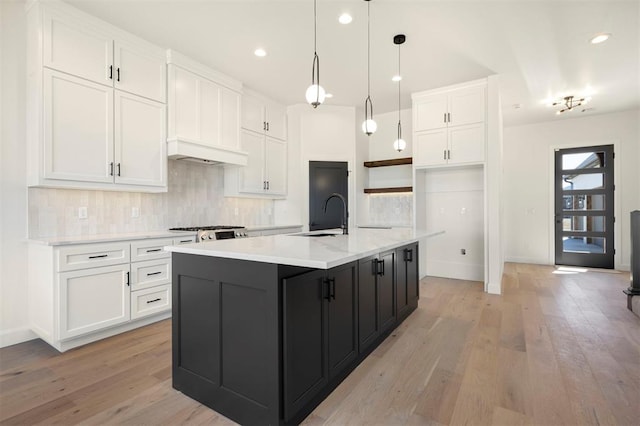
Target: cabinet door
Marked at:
78, 129
93, 299
343, 343
77, 48
413, 274
430, 113
139, 70
466, 144
430, 148
368, 328
304, 339
407, 279
140, 142
276, 166
251, 176
229, 119
276, 117
253, 114
467, 106
386, 291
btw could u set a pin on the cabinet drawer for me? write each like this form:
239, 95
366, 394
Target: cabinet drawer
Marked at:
150, 249
187, 239
150, 301
150, 273
92, 255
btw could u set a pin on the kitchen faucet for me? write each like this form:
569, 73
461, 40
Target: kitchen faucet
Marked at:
345, 214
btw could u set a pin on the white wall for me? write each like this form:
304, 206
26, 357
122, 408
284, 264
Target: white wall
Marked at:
13, 191
528, 180
323, 134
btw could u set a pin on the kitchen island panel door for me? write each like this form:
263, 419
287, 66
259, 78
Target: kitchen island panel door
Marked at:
304, 320
343, 341
196, 354
244, 336
386, 291
367, 303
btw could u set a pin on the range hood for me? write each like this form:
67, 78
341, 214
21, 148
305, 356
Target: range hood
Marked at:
191, 150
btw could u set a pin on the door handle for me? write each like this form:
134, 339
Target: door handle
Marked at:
267, 126
118, 74
110, 72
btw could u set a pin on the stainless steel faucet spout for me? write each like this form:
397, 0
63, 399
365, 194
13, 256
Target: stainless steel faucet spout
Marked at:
345, 213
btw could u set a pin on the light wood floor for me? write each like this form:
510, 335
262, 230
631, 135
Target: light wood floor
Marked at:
555, 349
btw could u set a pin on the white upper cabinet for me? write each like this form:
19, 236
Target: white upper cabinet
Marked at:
96, 103
251, 176
139, 70
76, 47
449, 125
275, 166
82, 151
264, 116
140, 149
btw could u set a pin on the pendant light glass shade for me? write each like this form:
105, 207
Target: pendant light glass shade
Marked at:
369, 126
315, 94
399, 144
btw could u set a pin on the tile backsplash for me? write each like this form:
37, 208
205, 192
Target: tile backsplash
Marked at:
195, 197
391, 209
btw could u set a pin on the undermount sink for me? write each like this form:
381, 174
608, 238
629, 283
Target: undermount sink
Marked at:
315, 234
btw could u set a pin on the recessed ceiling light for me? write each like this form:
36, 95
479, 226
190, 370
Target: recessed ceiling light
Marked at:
396, 78
600, 38
328, 95
260, 53
345, 19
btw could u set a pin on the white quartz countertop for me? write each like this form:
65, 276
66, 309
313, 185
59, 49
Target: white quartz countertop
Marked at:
269, 227
312, 252
89, 239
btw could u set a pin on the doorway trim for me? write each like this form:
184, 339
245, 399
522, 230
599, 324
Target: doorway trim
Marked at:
617, 229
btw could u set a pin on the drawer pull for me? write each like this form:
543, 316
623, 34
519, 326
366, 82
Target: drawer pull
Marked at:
185, 241
154, 273
154, 300
152, 250
98, 256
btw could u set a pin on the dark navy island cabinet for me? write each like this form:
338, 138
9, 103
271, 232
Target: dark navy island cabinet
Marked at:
264, 344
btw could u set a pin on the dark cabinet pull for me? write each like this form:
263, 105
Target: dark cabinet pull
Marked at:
444, 154
448, 117
154, 250
98, 256
110, 72
118, 169
333, 288
154, 300
267, 126
118, 74
408, 255
381, 270
127, 279
445, 117
264, 125
111, 169
267, 185
185, 241
327, 286
154, 273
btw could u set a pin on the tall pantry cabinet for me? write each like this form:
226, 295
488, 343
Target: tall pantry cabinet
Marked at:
457, 169
96, 104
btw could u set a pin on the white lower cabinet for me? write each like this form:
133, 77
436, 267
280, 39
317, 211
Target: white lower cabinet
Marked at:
80, 293
93, 299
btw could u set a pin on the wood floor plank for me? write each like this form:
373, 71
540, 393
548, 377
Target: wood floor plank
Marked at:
555, 349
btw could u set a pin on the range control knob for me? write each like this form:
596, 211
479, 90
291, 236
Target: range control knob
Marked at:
210, 236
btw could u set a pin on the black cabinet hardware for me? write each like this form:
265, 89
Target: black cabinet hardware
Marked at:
110, 72
332, 281
111, 169
154, 250
380, 270
154, 300
374, 267
185, 241
118, 169
127, 278
267, 185
448, 117
264, 125
327, 286
408, 255
444, 154
98, 256
118, 74
267, 126
154, 273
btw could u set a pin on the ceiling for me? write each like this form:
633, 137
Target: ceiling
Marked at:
540, 49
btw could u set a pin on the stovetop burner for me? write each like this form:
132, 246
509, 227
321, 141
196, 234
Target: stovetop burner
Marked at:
205, 228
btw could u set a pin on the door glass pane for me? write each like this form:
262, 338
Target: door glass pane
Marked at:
583, 160
583, 202
587, 181
583, 223
583, 244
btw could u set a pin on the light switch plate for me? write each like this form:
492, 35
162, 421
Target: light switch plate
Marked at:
82, 212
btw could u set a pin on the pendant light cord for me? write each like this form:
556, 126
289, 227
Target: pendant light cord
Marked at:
399, 81
369, 49
315, 69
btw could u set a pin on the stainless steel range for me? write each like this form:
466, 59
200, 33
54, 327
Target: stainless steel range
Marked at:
216, 232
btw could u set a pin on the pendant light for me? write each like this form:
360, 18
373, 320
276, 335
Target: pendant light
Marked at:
399, 144
315, 93
369, 126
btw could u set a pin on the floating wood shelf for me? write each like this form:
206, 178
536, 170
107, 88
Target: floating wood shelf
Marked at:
388, 190
393, 162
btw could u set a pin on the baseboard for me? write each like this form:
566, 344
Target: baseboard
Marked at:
15, 336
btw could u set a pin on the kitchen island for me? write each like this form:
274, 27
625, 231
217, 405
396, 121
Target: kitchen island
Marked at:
265, 328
